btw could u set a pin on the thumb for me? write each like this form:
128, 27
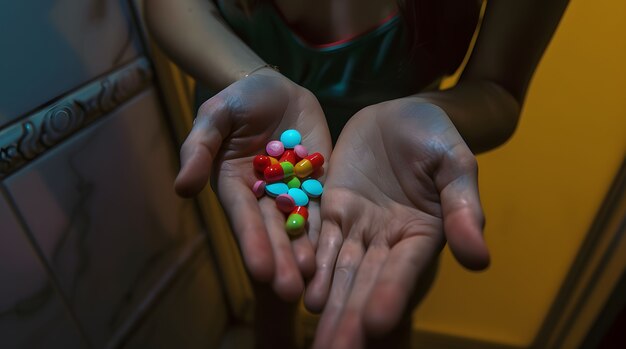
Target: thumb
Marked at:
200, 148
463, 218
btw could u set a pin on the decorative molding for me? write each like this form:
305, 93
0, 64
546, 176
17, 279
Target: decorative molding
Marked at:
34, 134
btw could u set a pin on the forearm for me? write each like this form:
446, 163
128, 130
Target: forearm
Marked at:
195, 36
484, 113
486, 103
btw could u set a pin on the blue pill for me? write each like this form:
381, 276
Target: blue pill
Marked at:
290, 138
276, 189
312, 188
299, 196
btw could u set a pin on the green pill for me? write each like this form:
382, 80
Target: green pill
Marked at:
294, 182
295, 224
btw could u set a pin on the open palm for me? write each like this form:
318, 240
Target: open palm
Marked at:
399, 177
230, 129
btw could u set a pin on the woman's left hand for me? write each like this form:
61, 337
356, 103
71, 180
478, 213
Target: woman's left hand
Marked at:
400, 182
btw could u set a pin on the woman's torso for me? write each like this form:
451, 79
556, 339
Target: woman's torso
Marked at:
346, 65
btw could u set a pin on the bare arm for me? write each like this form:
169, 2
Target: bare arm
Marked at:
195, 36
232, 127
412, 182
512, 39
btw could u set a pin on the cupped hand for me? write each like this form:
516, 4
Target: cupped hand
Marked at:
230, 129
400, 182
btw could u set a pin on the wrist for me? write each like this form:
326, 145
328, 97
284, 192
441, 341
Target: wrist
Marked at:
263, 69
400, 109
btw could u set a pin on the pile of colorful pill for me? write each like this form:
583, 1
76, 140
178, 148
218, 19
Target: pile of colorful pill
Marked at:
286, 176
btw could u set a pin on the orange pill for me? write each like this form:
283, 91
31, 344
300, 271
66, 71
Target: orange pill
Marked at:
309, 164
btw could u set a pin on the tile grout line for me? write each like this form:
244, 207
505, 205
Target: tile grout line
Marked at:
159, 289
42, 259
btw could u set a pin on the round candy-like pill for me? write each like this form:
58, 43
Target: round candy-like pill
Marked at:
312, 188
294, 182
285, 203
275, 189
298, 196
258, 188
301, 151
290, 138
275, 148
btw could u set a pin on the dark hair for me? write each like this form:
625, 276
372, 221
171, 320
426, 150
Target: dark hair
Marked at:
445, 27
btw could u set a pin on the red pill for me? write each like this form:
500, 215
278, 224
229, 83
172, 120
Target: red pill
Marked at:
301, 210
278, 172
309, 164
289, 156
261, 162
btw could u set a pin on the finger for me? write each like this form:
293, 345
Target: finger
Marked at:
303, 246
201, 146
396, 282
287, 282
317, 291
315, 223
349, 331
348, 262
349, 334
463, 218
248, 225
304, 255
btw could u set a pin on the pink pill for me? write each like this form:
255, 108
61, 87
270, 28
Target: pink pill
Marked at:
285, 203
301, 151
275, 148
259, 188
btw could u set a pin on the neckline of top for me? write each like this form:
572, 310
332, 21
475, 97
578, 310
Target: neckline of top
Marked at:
383, 24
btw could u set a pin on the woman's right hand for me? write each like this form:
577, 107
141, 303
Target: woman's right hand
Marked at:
230, 129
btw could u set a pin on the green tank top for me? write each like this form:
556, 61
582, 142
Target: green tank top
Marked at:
345, 76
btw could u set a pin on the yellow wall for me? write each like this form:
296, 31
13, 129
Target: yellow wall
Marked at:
542, 189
